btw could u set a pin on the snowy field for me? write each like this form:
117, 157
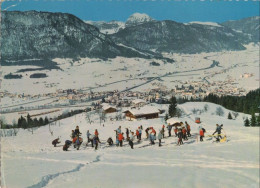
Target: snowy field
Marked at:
31, 161
120, 73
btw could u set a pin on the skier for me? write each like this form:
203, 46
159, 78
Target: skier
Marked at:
163, 131
78, 142
127, 134
119, 130
96, 135
169, 129
147, 132
72, 134
201, 134
120, 139
188, 129
77, 132
88, 134
218, 130
95, 141
67, 145
137, 135
152, 138
176, 131
160, 136
110, 141
131, 140
55, 142
180, 137
140, 133
117, 141
184, 133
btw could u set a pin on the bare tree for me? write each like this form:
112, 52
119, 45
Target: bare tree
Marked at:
235, 114
51, 131
206, 107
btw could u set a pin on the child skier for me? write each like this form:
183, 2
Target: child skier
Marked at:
180, 137
201, 134
160, 136
120, 139
110, 141
169, 129
131, 140
55, 142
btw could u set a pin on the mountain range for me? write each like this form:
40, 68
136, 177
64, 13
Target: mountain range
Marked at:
46, 35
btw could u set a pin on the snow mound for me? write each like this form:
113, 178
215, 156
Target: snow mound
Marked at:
206, 23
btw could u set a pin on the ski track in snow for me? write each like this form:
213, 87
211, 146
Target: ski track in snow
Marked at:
46, 179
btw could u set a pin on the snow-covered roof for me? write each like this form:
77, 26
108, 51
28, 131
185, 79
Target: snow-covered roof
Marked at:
106, 106
172, 121
136, 101
144, 110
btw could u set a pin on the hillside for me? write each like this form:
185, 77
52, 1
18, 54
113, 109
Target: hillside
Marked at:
248, 26
170, 36
45, 35
232, 162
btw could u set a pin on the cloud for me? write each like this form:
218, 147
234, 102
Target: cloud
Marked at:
11, 6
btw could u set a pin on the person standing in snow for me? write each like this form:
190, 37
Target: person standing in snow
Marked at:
96, 141
184, 131
137, 135
147, 132
201, 134
117, 141
140, 133
160, 136
77, 132
163, 131
131, 140
127, 134
188, 129
152, 137
169, 127
176, 131
180, 137
120, 139
78, 142
97, 135
88, 134
119, 130
72, 134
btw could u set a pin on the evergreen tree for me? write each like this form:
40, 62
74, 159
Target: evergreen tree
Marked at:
29, 121
246, 122
258, 120
41, 122
23, 123
172, 107
19, 122
46, 121
229, 116
36, 122
253, 120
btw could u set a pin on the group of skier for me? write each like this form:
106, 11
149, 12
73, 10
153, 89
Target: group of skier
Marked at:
181, 130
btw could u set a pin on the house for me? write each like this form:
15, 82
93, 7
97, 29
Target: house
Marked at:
108, 109
139, 102
146, 112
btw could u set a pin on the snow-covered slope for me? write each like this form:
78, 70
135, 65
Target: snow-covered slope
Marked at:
206, 23
31, 161
108, 27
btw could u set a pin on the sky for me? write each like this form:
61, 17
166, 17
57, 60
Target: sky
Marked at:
180, 11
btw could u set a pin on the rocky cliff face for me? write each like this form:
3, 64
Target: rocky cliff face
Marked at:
29, 35
170, 36
248, 26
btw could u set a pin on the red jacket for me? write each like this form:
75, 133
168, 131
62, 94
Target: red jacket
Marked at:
176, 130
184, 131
153, 131
96, 133
201, 133
120, 137
188, 127
137, 133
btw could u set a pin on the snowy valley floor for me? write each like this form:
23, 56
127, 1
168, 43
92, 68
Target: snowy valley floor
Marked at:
31, 161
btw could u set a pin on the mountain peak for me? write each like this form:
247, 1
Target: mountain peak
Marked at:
138, 18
